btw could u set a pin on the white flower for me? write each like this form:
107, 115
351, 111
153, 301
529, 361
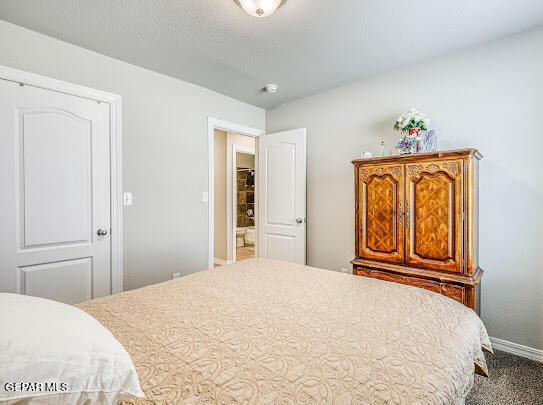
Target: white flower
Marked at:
412, 116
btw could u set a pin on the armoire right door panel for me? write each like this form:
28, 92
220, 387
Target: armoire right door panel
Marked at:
434, 215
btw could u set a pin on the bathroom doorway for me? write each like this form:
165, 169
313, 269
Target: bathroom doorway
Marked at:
243, 193
234, 197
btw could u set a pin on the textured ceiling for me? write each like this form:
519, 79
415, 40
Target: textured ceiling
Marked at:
306, 47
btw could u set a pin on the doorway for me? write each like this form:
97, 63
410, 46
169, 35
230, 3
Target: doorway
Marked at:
244, 198
233, 206
279, 194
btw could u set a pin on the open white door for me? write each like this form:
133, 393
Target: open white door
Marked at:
282, 195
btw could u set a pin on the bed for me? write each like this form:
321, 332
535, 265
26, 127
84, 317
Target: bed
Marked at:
263, 332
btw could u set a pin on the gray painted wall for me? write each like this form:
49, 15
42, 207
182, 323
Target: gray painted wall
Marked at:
490, 98
164, 148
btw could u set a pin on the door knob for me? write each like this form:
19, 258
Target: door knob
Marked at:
300, 220
102, 232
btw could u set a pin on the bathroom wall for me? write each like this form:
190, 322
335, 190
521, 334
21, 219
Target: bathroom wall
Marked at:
245, 160
220, 195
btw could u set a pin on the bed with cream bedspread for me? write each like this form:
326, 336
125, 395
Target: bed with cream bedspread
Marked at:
268, 332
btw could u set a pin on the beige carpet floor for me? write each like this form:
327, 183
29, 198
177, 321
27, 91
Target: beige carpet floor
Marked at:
513, 380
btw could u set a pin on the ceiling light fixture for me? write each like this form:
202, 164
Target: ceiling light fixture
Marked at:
260, 8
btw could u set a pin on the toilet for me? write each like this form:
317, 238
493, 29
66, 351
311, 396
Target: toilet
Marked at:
250, 235
240, 236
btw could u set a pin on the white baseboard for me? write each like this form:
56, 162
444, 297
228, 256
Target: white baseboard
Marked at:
519, 350
221, 262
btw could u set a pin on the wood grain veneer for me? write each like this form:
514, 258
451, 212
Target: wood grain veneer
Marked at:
417, 222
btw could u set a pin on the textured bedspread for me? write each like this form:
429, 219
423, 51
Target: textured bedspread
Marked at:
266, 332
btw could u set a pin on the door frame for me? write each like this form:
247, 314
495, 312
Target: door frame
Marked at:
115, 136
212, 124
248, 151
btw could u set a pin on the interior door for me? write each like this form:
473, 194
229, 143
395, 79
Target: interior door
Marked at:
434, 215
55, 199
282, 196
380, 208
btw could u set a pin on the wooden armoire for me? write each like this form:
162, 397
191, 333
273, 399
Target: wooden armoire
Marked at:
416, 222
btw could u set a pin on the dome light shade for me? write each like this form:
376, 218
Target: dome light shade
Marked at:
260, 8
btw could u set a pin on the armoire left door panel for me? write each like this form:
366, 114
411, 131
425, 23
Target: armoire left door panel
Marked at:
381, 195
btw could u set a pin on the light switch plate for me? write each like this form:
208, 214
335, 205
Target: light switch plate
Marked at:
127, 199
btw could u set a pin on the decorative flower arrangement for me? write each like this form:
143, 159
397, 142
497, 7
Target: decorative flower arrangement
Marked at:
410, 124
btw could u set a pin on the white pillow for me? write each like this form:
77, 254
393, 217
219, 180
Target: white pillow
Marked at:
58, 354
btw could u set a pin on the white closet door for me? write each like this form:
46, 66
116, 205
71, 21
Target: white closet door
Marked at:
282, 196
55, 200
